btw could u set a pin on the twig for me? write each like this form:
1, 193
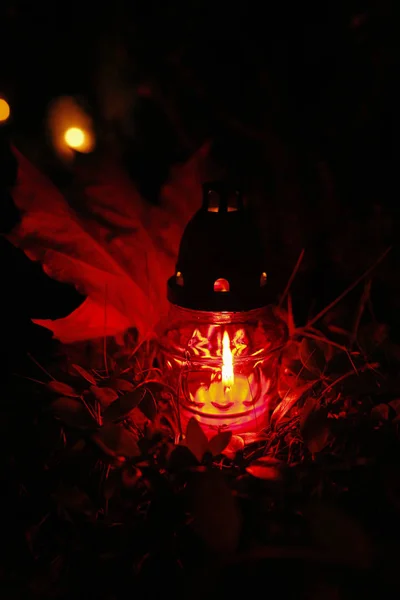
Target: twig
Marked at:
346, 291
361, 307
291, 278
40, 367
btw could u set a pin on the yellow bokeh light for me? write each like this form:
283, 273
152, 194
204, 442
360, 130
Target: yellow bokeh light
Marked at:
75, 137
4, 110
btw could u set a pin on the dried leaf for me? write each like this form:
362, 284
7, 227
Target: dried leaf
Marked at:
58, 387
196, 440
288, 402
116, 441
72, 412
119, 409
380, 412
267, 468
85, 374
219, 442
312, 356
105, 396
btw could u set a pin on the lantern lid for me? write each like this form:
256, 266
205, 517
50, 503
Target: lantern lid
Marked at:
221, 264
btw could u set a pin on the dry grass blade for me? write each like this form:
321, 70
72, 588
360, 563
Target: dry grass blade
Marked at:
361, 307
346, 291
291, 278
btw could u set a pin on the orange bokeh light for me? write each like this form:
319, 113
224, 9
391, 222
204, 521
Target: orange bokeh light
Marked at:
4, 110
75, 137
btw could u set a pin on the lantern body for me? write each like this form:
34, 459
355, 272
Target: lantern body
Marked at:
222, 366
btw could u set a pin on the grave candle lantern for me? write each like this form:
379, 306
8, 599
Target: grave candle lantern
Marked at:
218, 345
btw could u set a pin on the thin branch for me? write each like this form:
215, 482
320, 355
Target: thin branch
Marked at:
291, 278
351, 287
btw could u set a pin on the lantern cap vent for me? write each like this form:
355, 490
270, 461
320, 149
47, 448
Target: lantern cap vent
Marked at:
221, 264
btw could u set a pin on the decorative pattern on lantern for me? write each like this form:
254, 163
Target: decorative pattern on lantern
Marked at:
219, 343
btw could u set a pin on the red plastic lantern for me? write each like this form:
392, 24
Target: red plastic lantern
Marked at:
219, 344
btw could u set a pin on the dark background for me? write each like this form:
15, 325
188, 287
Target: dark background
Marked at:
300, 101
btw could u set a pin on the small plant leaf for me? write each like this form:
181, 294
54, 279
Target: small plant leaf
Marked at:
312, 356
120, 408
122, 385
72, 412
85, 374
380, 412
196, 440
292, 396
219, 442
58, 387
314, 426
235, 445
267, 468
105, 396
116, 441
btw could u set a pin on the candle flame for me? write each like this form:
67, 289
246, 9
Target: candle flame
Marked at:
227, 361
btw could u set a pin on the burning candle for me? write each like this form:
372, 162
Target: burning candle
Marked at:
217, 346
226, 392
